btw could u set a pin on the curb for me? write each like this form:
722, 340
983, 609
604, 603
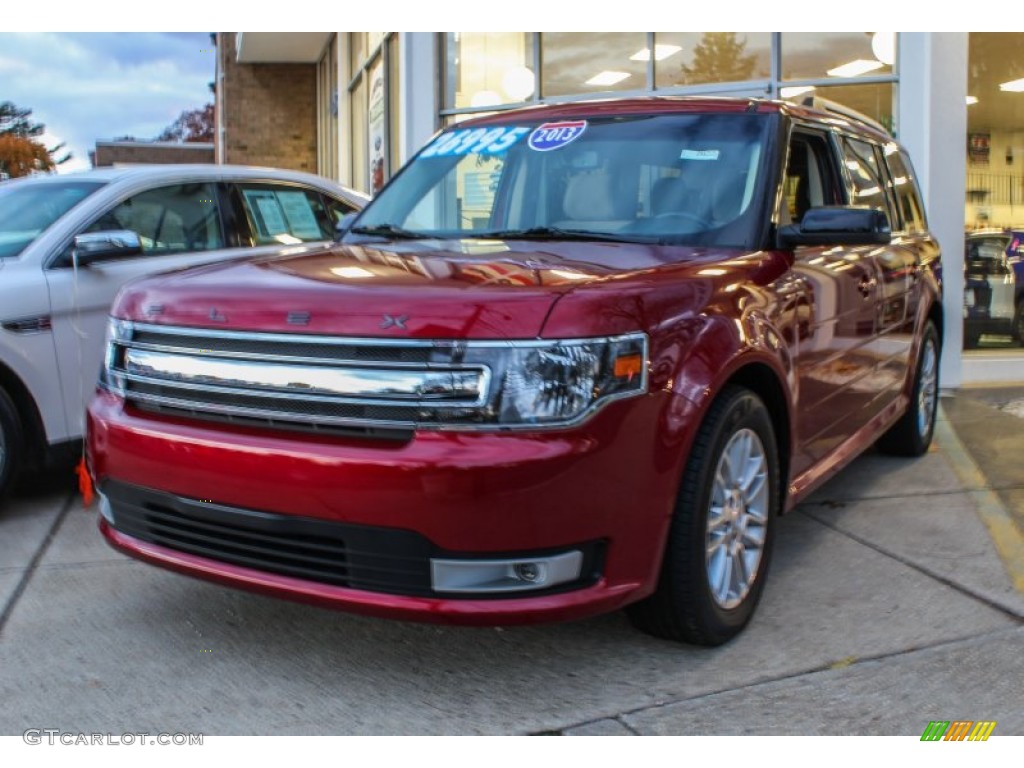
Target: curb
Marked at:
1003, 530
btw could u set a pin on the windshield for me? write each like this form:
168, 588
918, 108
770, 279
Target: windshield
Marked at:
27, 209
692, 179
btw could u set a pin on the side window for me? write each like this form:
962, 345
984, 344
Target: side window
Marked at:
281, 213
905, 187
866, 181
336, 209
808, 179
173, 219
987, 256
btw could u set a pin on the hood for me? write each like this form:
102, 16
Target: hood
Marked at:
416, 289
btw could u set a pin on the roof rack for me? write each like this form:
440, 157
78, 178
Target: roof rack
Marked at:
827, 105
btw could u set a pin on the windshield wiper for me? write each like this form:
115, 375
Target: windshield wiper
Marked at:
557, 233
388, 230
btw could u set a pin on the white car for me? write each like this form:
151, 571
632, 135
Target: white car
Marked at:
68, 243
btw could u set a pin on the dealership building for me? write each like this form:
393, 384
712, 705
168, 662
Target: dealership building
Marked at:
354, 106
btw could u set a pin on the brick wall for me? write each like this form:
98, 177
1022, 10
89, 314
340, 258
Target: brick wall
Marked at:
269, 111
132, 152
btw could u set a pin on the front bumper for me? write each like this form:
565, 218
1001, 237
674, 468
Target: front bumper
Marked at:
606, 489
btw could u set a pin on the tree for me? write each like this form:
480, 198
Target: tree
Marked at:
718, 58
191, 125
15, 122
20, 150
20, 156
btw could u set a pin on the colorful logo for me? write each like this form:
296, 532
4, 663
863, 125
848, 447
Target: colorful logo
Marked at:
554, 135
958, 730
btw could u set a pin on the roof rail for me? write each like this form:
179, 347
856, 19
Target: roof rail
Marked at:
827, 105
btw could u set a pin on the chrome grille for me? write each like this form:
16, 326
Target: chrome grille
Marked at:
290, 381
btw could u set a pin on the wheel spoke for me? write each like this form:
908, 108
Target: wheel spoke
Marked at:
754, 536
725, 577
740, 497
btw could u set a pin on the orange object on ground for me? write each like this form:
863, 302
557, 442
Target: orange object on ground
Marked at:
84, 483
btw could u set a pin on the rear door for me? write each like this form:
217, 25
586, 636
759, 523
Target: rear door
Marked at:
833, 349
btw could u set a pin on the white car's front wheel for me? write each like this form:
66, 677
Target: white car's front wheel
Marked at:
10, 442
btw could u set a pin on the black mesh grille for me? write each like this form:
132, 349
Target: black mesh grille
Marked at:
361, 557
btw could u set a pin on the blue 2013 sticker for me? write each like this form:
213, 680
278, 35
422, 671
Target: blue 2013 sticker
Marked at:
554, 135
484, 141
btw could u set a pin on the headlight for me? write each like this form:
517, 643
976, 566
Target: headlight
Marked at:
559, 382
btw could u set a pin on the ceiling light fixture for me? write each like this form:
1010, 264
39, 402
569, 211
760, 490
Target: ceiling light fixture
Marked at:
607, 78
883, 45
856, 67
793, 91
1016, 86
972, 100
661, 51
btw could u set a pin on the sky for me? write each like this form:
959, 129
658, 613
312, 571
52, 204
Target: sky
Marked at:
93, 86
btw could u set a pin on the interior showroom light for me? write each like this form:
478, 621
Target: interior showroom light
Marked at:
795, 90
856, 67
972, 100
661, 51
518, 83
1013, 85
607, 78
883, 45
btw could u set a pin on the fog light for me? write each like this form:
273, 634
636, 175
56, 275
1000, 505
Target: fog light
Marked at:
505, 575
527, 571
105, 509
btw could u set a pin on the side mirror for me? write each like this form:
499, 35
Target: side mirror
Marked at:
105, 246
838, 225
343, 226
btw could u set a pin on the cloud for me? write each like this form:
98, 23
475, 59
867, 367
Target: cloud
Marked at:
90, 86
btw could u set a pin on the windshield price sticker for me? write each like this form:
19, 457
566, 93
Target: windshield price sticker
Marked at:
699, 154
483, 141
554, 135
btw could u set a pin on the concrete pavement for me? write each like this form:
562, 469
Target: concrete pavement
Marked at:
889, 604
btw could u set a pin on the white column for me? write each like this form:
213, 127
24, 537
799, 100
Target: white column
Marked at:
932, 125
344, 109
417, 91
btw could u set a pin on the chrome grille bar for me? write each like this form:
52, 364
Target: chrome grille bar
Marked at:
451, 386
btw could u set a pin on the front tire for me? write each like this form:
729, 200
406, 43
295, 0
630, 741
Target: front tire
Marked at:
912, 434
10, 443
720, 540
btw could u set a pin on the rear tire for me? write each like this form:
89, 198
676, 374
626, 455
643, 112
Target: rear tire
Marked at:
720, 541
912, 434
11, 443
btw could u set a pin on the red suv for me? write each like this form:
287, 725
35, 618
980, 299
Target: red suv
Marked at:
571, 359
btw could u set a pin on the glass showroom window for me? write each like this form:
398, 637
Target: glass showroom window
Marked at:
702, 58
994, 208
487, 69
371, 90
592, 62
855, 69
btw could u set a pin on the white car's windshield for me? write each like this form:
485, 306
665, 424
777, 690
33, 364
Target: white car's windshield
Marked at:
28, 208
679, 178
